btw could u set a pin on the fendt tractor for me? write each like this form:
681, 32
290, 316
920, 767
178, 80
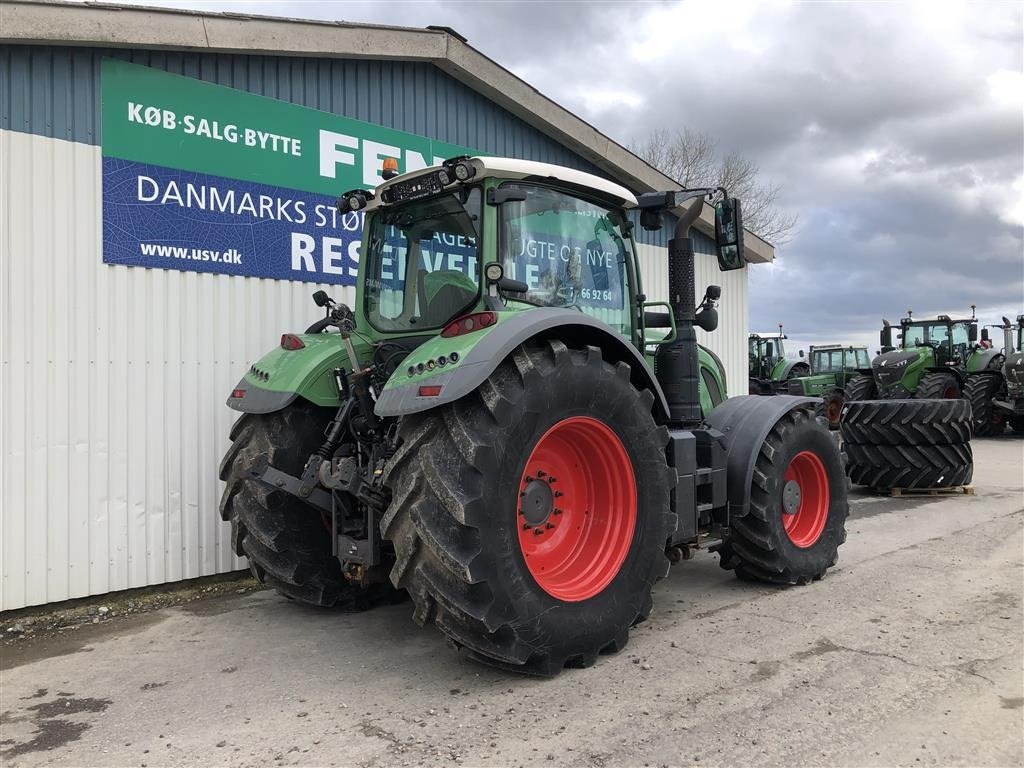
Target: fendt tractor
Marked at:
770, 369
832, 367
997, 395
488, 431
935, 359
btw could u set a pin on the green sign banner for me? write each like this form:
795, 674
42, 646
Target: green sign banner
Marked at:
201, 177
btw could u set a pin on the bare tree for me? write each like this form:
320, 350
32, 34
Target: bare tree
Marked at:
692, 159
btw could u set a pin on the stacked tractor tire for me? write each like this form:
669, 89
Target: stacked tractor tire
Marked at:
908, 443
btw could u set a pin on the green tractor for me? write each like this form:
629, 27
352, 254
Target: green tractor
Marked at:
770, 369
935, 359
832, 367
505, 429
997, 394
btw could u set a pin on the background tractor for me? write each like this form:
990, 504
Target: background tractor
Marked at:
934, 359
504, 428
770, 369
996, 393
832, 367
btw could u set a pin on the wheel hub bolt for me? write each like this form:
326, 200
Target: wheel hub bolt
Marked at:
538, 531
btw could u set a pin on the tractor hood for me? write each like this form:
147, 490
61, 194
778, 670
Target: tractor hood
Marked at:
890, 368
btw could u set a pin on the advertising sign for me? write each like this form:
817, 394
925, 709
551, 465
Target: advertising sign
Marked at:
205, 178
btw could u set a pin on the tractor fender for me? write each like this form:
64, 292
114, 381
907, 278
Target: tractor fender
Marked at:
981, 361
788, 367
498, 342
745, 422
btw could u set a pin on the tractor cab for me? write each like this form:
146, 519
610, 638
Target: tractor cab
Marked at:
770, 369
949, 340
837, 359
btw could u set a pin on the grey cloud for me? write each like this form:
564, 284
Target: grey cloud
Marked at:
875, 118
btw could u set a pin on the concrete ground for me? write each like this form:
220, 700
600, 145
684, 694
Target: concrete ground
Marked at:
908, 653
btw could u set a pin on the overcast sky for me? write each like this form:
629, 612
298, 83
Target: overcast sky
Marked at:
895, 130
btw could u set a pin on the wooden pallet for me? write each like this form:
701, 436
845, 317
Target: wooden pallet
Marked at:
955, 490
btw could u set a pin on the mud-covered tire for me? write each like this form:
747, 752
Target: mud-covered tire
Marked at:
980, 390
910, 466
285, 540
906, 422
938, 385
455, 514
861, 387
768, 544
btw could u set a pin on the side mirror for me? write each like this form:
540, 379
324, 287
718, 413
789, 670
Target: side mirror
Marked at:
885, 337
984, 334
713, 292
769, 349
729, 234
972, 332
321, 298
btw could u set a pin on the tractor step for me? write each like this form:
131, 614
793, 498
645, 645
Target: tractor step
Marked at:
955, 490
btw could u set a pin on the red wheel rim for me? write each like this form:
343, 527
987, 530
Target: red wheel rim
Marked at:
577, 508
833, 410
805, 499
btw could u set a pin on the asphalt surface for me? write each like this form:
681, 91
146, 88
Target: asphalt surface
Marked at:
909, 653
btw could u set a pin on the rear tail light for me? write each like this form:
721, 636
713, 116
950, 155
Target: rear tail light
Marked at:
430, 390
238, 393
291, 342
469, 323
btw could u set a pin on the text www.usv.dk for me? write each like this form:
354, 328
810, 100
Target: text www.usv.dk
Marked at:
230, 256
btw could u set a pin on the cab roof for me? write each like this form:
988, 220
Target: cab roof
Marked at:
511, 168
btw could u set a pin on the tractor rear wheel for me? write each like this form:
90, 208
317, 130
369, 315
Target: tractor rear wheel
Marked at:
798, 507
861, 387
529, 518
980, 391
910, 466
907, 422
285, 540
938, 385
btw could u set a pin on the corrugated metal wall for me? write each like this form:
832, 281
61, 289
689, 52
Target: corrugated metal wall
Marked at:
113, 378
730, 340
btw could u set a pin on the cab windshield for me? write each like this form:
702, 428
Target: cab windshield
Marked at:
570, 252
950, 340
422, 262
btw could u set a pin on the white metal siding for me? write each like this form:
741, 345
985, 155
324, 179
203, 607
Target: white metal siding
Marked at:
112, 393
729, 342
112, 415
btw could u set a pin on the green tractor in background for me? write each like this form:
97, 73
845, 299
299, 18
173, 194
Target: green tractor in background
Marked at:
997, 394
832, 368
934, 360
770, 369
506, 430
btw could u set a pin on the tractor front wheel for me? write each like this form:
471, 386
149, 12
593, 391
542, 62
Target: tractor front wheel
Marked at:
529, 519
861, 387
980, 391
798, 507
938, 385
